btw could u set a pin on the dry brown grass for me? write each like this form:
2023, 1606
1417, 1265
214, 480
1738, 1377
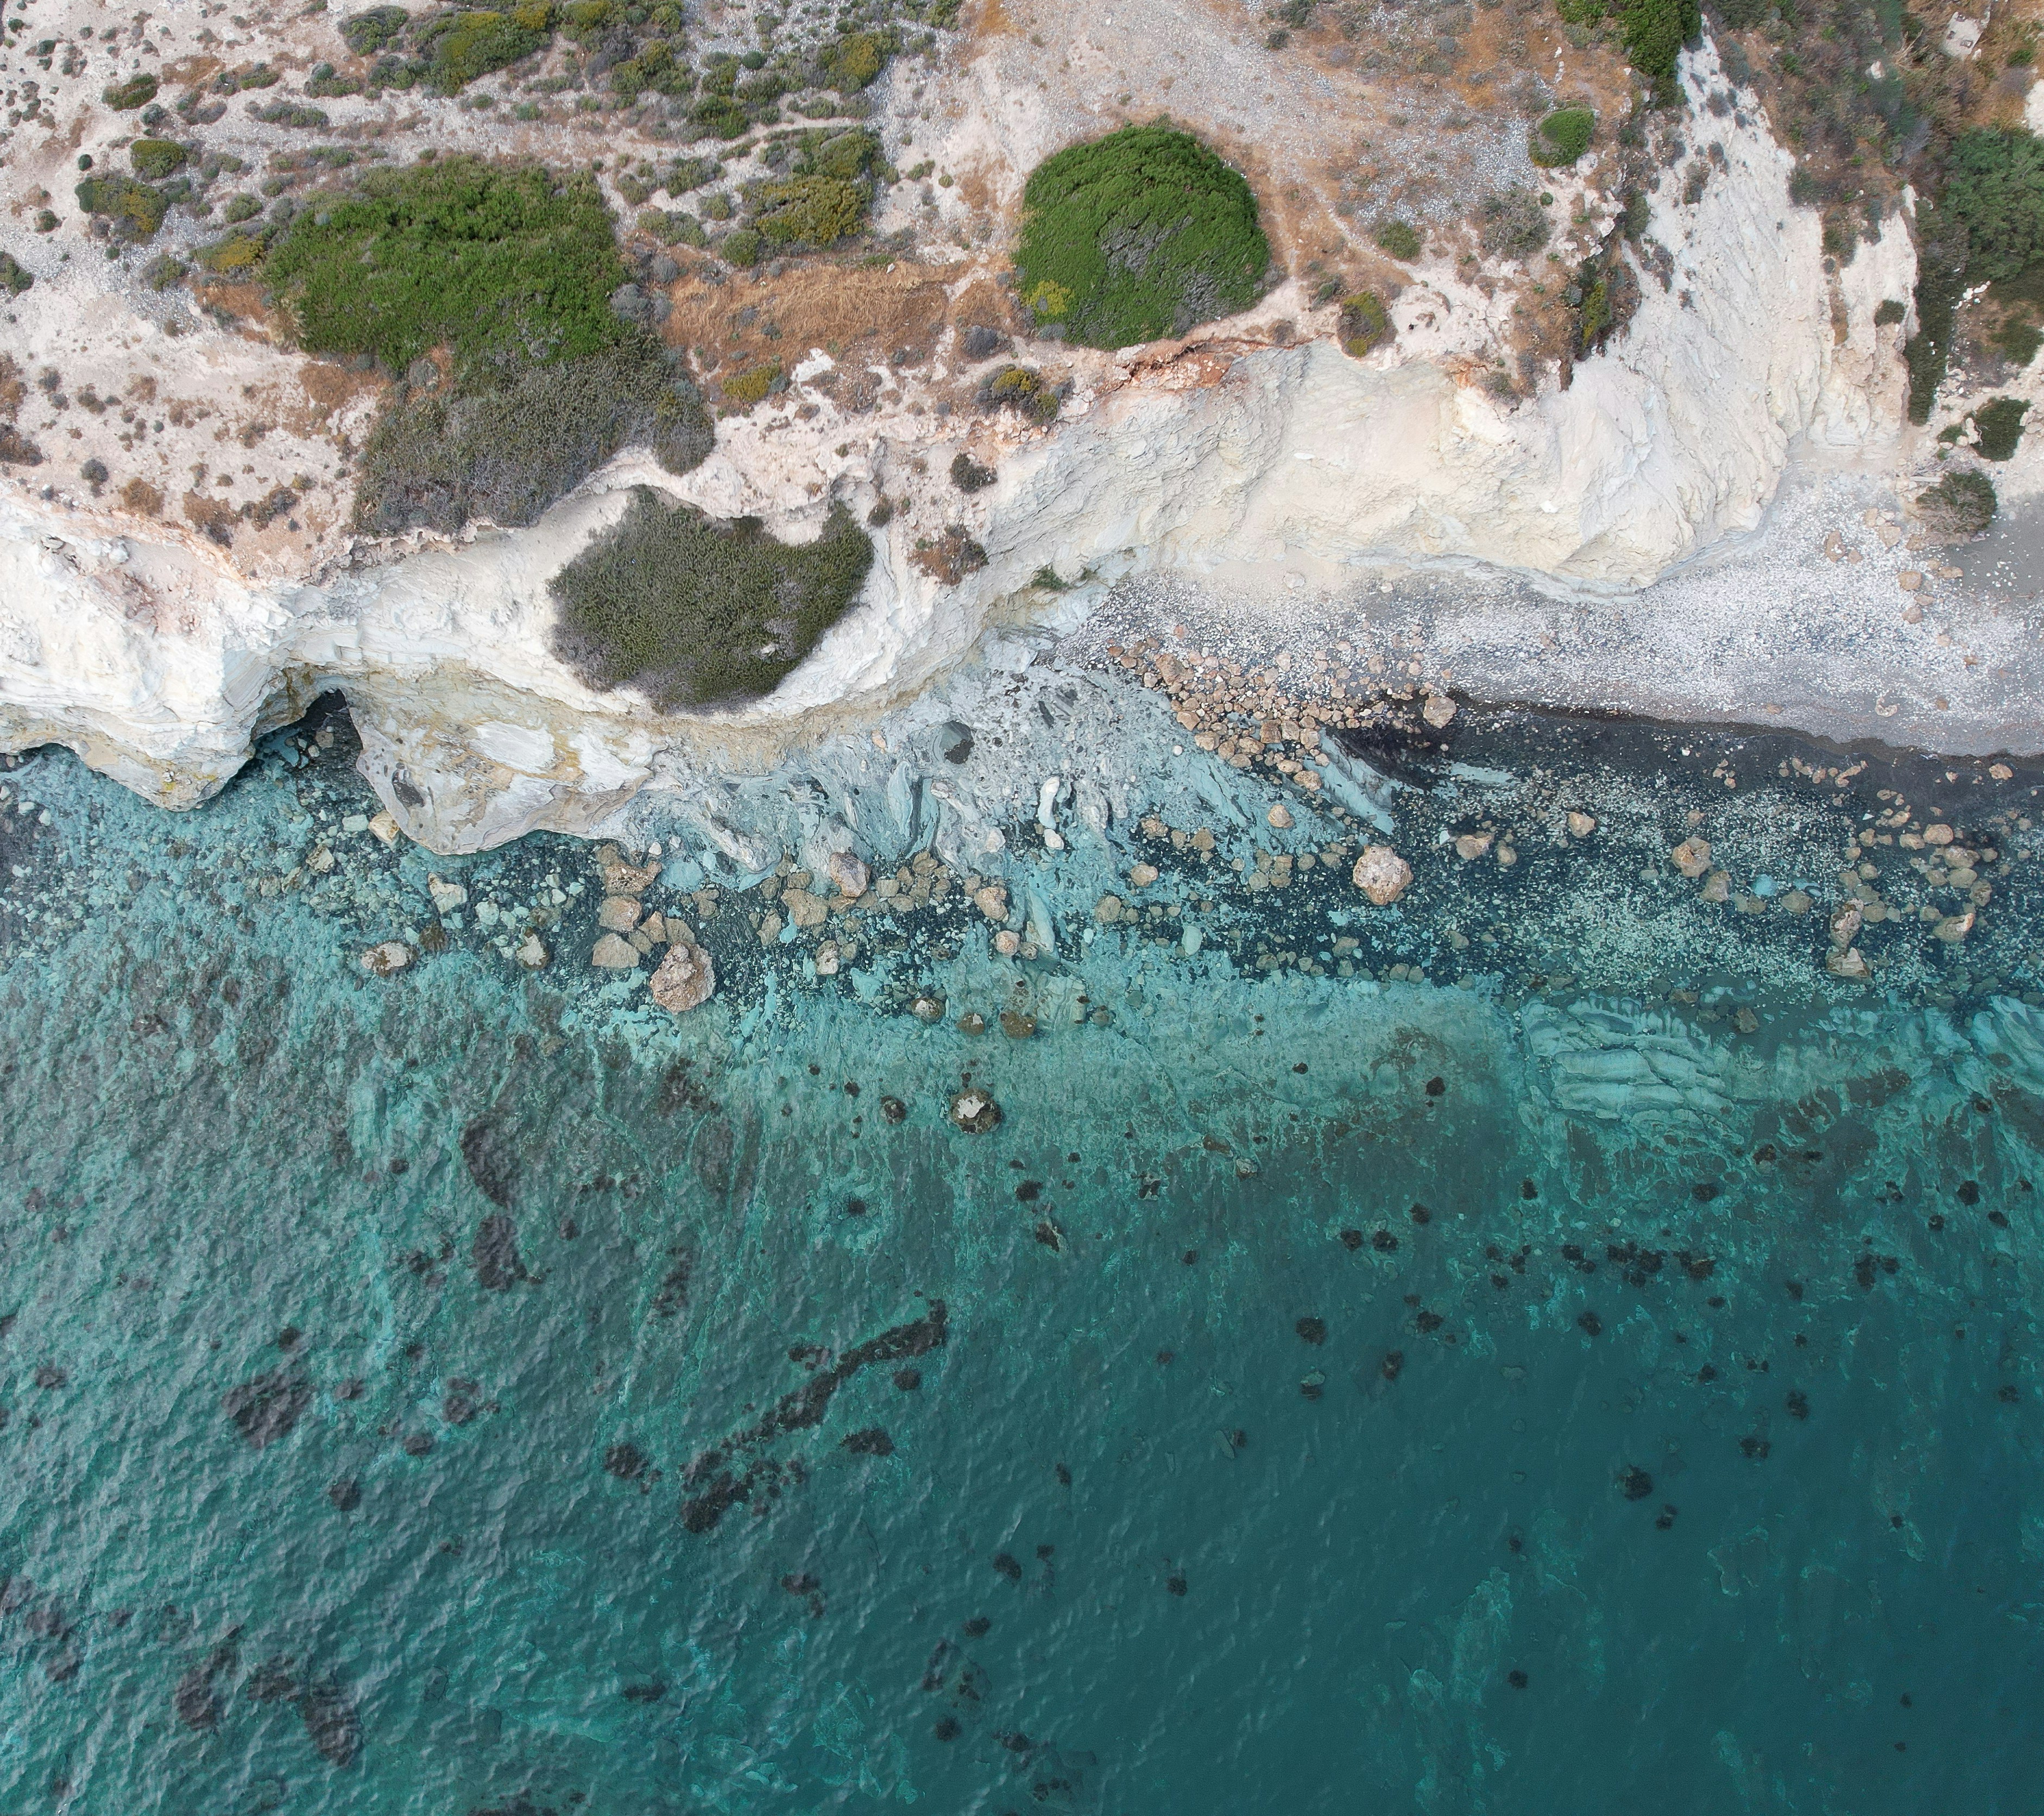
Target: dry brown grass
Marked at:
859, 315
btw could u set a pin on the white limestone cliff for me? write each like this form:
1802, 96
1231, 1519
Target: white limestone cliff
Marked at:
1228, 459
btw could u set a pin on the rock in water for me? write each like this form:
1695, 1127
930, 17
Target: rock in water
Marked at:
849, 873
386, 960
685, 979
975, 1113
1438, 711
1382, 874
1692, 856
611, 954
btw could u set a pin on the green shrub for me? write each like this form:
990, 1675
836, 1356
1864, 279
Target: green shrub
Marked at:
136, 91
1959, 504
326, 83
1020, 388
1999, 424
500, 263
753, 385
1365, 323
1890, 311
742, 248
241, 208
2018, 341
692, 173
1654, 31
719, 117
1594, 312
1995, 192
155, 159
810, 211
854, 156
968, 475
463, 44
15, 277
293, 113
136, 209
1563, 136
1399, 238
367, 34
673, 227
853, 62
1511, 224
1141, 234
238, 254
1941, 281
514, 443
699, 612
163, 271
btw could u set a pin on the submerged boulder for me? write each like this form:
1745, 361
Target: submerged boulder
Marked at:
685, 979
1382, 874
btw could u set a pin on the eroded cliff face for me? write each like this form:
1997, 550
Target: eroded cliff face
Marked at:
1232, 456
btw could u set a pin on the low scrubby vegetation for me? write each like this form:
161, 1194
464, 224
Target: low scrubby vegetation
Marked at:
1365, 324
1399, 238
495, 262
1999, 425
1959, 504
132, 210
1985, 225
1512, 224
1561, 136
700, 612
1024, 390
1140, 235
509, 278
513, 440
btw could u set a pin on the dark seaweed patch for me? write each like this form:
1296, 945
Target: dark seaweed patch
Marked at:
492, 1162
494, 1253
716, 1488
267, 1407
331, 1720
193, 1700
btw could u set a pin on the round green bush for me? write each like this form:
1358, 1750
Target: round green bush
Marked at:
1365, 324
1140, 235
2000, 422
155, 159
1563, 136
1399, 238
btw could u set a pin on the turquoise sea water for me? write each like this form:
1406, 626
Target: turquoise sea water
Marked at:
1600, 1374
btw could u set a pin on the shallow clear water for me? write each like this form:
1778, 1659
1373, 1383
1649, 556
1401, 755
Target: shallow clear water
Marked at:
1520, 1390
